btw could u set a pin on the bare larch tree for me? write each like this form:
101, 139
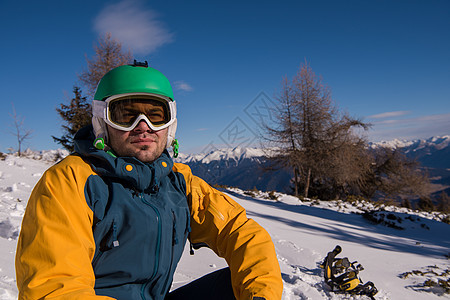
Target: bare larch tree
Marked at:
19, 131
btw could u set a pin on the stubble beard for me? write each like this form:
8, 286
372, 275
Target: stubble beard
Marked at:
145, 153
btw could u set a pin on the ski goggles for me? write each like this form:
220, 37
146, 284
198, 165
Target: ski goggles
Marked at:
124, 112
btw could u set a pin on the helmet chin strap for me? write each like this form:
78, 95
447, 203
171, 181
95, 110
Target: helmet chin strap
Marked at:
100, 140
100, 129
175, 146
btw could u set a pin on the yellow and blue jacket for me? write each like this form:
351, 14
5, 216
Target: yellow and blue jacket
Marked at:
104, 227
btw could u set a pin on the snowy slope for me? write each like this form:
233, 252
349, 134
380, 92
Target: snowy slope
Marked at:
303, 233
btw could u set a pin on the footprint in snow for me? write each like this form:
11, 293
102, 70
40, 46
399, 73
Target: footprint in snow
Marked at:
7, 230
12, 188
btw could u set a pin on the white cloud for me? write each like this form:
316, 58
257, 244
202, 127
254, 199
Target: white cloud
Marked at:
183, 86
390, 114
134, 25
424, 126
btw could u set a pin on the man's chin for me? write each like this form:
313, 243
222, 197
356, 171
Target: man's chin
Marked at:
147, 154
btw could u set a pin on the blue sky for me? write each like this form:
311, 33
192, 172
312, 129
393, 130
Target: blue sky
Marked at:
387, 62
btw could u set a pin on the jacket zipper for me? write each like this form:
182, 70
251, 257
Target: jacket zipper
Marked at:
174, 242
115, 243
158, 245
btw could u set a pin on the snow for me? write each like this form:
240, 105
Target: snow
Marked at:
236, 154
437, 142
400, 249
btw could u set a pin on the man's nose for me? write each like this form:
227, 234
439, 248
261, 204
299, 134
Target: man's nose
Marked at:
142, 126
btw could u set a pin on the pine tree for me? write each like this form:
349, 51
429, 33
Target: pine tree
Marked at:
108, 55
76, 115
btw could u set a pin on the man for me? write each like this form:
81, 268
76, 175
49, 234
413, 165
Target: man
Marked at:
111, 220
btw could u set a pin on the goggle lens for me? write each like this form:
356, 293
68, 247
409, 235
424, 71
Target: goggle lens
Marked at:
124, 112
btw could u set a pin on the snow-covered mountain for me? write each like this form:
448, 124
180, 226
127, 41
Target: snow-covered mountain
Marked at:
437, 142
245, 167
433, 152
239, 167
403, 252
237, 155
415, 148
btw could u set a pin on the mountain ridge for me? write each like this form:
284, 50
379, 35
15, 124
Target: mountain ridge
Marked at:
436, 143
245, 168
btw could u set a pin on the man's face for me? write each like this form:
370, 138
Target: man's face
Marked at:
142, 142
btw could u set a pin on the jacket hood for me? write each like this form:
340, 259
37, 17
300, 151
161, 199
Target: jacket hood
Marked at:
141, 176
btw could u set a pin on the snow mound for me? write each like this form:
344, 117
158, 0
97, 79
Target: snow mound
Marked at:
46, 155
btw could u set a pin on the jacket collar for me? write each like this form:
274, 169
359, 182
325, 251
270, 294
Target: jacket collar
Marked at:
141, 176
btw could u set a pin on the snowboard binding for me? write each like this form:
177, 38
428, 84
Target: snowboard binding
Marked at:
342, 275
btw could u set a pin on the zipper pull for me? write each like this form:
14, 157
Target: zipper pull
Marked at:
116, 241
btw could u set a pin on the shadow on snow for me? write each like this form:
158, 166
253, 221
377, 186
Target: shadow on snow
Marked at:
355, 228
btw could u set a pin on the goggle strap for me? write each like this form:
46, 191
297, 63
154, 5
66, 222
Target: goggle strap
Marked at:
98, 108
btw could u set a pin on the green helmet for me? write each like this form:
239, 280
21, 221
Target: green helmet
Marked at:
133, 79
